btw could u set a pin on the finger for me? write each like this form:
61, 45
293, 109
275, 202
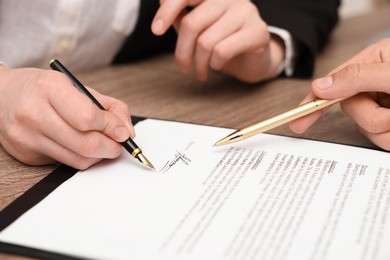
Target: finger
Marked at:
116, 107
168, 12
87, 144
79, 112
375, 53
354, 78
191, 27
176, 23
47, 152
233, 46
248, 38
209, 40
63, 155
24, 152
367, 114
230, 35
382, 140
300, 125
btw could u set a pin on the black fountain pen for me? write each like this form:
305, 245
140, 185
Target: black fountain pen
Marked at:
129, 144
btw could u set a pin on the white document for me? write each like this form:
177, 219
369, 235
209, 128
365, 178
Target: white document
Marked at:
268, 197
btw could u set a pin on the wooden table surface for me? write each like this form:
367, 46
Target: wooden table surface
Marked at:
155, 88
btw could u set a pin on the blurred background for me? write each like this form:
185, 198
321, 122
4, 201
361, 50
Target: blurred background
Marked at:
356, 7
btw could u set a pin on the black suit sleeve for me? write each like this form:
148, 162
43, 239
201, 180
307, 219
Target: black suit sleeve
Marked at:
142, 42
310, 23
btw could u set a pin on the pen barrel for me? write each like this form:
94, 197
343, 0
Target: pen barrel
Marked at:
288, 116
56, 65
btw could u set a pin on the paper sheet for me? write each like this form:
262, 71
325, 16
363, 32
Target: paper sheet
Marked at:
269, 197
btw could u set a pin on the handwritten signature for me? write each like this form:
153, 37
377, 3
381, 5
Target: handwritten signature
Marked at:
179, 157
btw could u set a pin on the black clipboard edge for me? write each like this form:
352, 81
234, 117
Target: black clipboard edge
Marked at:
32, 197
33, 252
28, 200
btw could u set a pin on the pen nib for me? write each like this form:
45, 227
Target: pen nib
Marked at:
145, 161
233, 137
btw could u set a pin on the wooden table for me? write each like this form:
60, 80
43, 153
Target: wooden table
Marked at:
155, 88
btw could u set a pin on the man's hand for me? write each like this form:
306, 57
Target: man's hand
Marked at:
224, 35
365, 81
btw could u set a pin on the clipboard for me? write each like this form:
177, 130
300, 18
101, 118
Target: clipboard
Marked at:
29, 199
327, 172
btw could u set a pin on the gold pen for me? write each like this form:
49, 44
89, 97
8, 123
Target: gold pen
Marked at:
278, 120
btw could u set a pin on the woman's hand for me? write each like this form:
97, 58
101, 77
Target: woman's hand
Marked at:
45, 119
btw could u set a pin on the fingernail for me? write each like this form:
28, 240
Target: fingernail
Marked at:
131, 129
158, 26
121, 134
129, 126
324, 83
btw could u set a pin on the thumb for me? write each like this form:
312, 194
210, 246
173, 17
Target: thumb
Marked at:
300, 125
353, 79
